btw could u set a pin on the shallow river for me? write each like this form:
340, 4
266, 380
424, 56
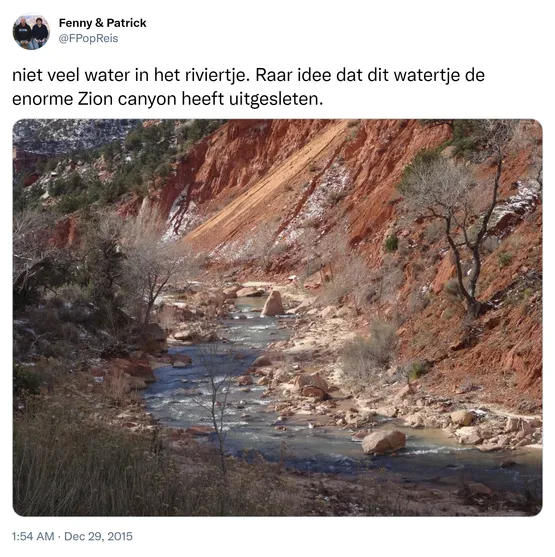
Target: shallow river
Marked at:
177, 398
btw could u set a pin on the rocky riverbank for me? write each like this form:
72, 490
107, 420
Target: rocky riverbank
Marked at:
308, 377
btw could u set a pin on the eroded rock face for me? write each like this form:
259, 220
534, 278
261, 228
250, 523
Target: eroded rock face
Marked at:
273, 305
381, 442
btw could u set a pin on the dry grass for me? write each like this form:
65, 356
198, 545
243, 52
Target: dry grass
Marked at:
70, 463
362, 357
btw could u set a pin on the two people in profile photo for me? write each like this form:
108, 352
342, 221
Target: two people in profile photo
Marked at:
30, 38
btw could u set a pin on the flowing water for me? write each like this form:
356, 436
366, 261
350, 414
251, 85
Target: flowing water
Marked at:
179, 397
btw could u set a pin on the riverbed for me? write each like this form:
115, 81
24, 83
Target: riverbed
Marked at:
180, 396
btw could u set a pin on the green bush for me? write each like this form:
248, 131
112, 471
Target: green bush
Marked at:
464, 139
418, 369
423, 157
26, 381
391, 243
505, 258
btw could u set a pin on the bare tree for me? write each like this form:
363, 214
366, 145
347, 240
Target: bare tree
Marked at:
220, 375
152, 263
34, 253
103, 257
438, 188
261, 245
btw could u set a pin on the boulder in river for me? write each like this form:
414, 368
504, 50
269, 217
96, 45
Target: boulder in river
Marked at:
231, 292
181, 360
262, 361
468, 435
200, 430
381, 442
462, 417
273, 305
360, 435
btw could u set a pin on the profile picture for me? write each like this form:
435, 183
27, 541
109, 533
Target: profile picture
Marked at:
31, 32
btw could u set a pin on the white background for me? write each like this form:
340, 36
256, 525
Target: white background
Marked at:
507, 40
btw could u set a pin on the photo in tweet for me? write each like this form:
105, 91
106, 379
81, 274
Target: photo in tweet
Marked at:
277, 317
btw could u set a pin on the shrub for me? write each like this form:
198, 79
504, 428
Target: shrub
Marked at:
505, 259
391, 243
362, 356
464, 139
351, 276
335, 197
490, 244
453, 289
25, 381
434, 232
417, 369
310, 222
423, 158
